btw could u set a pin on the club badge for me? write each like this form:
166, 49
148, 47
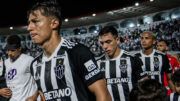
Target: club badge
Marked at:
59, 69
12, 73
123, 66
156, 62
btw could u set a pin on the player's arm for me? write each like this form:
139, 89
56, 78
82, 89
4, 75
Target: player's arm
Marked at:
100, 90
144, 78
168, 71
176, 65
170, 83
138, 74
33, 97
5, 92
87, 65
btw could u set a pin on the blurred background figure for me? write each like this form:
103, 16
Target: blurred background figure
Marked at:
162, 45
155, 63
148, 90
176, 80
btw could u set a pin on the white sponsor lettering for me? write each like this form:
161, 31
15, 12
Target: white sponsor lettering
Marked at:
118, 80
91, 74
59, 93
152, 73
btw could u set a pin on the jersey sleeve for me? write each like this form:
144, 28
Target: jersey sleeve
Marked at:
176, 65
166, 65
137, 72
86, 65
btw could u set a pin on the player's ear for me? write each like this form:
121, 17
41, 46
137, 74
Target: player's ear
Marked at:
154, 42
167, 48
118, 40
54, 23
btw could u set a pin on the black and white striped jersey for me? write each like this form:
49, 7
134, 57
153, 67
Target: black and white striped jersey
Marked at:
121, 74
155, 64
2, 72
174, 96
66, 75
2, 78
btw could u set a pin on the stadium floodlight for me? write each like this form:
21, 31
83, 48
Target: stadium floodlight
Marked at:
95, 31
93, 14
11, 28
151, 0
66, 20
136, 4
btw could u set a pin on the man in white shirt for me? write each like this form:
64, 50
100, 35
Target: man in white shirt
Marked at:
18, 76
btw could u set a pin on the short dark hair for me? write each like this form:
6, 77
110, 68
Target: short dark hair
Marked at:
47, 8
148, 90
176, 76
162, 40
153, 36
108, 29
13, 42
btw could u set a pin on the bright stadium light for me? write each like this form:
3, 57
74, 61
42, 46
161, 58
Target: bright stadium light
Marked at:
136, 4
124, 8
93, 14
11, 28
95, 31
151, 0
66, 20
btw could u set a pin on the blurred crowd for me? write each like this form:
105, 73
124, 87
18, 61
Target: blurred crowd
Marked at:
168, 30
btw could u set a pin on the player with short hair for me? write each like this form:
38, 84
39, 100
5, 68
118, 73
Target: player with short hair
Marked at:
162, 45
18, 77
121, 69
65, 70
155, 63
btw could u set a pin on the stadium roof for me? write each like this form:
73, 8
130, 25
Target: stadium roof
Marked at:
79, 12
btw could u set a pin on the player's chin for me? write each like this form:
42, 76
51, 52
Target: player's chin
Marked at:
36, 42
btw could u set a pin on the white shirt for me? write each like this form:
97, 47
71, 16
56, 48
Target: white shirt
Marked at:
19, 79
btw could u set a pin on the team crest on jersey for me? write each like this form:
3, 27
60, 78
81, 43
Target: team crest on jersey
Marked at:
123, 66
12, 73
59, 69
156, 62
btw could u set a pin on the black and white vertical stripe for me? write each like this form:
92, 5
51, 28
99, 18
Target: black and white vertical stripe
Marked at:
116, 72
47, 75
154, 64
55, 81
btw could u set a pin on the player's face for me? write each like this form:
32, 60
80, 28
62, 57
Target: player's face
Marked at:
39, 27
177, 87
109, 44
147, 41
14, 54
161, 46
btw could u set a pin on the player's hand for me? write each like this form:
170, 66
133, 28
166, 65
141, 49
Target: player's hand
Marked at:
5, 92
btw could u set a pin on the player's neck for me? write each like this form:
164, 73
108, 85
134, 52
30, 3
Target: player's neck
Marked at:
50, 46
116, 54
13, 60
148, 51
